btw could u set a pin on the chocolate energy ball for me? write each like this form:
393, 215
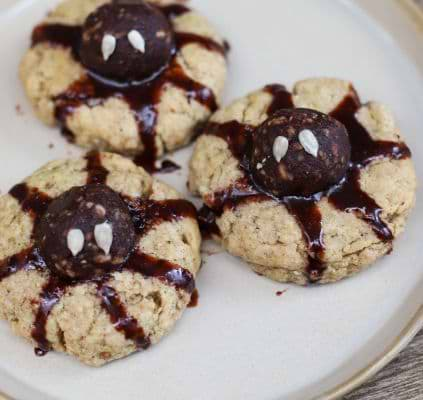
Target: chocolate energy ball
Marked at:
85, 232
127, 41
299, 152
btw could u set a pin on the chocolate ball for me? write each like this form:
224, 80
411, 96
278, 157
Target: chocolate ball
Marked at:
127, 41
299, 152
86, 232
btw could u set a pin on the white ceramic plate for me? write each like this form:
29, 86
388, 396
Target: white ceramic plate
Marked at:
243, 341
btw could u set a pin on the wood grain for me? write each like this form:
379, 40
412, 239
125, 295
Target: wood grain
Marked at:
401, 380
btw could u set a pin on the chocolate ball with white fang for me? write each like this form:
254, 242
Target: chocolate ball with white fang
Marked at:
86, 232
299, 152
127, 41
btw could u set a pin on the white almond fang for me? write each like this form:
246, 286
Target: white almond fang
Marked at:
309, 142
137, 41
75, 241
280, 148
103, 234
108, 46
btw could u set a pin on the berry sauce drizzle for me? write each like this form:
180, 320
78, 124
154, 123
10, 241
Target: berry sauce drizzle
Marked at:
175, 10
142, 97
148, 213
122, 322
145, 214
195, 296
51, 294
346, 196
31, 200
97, 174
349, 196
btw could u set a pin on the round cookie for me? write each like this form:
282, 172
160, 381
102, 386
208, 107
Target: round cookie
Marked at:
138, 285
326, 236
135, 118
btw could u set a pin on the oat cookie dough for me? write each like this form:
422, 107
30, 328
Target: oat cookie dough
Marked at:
132, 77
309, 186
98, 259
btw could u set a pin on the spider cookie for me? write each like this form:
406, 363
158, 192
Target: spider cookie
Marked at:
98, 259
132, 77
309, 186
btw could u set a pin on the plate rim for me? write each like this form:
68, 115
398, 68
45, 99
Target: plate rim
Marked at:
414, 13
368, 372
365, 374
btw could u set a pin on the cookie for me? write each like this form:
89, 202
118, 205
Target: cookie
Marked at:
115, 83
270, 169
98, 259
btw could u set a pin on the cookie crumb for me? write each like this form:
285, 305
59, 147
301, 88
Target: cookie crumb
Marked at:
18, 109
279, 293
194, 299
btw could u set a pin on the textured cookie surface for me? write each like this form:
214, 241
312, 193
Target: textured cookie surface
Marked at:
113, 315
155, 118
325, 238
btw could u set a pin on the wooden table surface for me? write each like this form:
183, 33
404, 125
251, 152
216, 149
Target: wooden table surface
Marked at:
401, 380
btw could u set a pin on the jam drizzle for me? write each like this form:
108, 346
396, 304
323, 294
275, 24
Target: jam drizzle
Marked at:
58, 35
207, 222
97, 174
194, 299
163, 270
174, 10
145, 215
119, 317
51, 294
31, 200
281, 98
309, 218
28, 259
142, 97
347, 196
